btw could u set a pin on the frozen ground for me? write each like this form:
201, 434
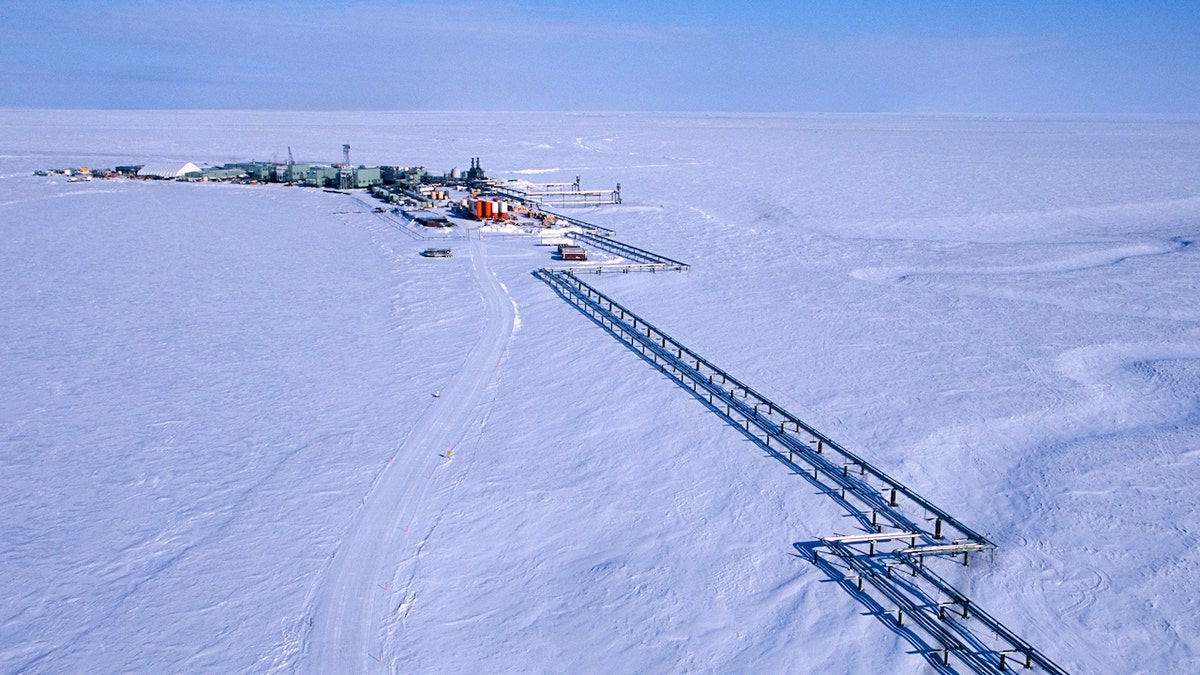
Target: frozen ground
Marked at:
212, 393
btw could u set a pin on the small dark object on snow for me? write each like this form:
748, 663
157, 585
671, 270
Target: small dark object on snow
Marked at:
571, 252
437, 253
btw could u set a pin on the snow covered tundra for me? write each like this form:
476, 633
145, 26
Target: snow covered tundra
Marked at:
220, 451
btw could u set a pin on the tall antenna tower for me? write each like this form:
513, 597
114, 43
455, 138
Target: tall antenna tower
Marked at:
346, 175
291, 167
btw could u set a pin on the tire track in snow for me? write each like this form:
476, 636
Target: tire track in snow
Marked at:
1083, 261
353, 602
982, 281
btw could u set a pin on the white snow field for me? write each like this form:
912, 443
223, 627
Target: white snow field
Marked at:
220, 452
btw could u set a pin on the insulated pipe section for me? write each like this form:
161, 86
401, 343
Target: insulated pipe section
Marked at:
627, 250
904, 605
731, 406
988, 620
742, 401
580, 223
568, 278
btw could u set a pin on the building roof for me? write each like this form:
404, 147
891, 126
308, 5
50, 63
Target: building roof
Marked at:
167, 169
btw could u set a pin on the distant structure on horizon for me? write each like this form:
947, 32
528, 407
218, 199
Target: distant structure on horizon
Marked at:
475, 173
394, 184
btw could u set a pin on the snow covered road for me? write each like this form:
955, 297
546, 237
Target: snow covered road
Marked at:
355, 596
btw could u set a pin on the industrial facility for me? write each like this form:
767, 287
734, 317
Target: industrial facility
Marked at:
414, 183
426, 200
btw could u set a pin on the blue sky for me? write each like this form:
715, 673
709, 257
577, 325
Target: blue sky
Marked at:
769, 56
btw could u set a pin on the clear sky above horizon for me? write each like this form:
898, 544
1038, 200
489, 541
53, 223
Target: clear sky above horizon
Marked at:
626, 55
